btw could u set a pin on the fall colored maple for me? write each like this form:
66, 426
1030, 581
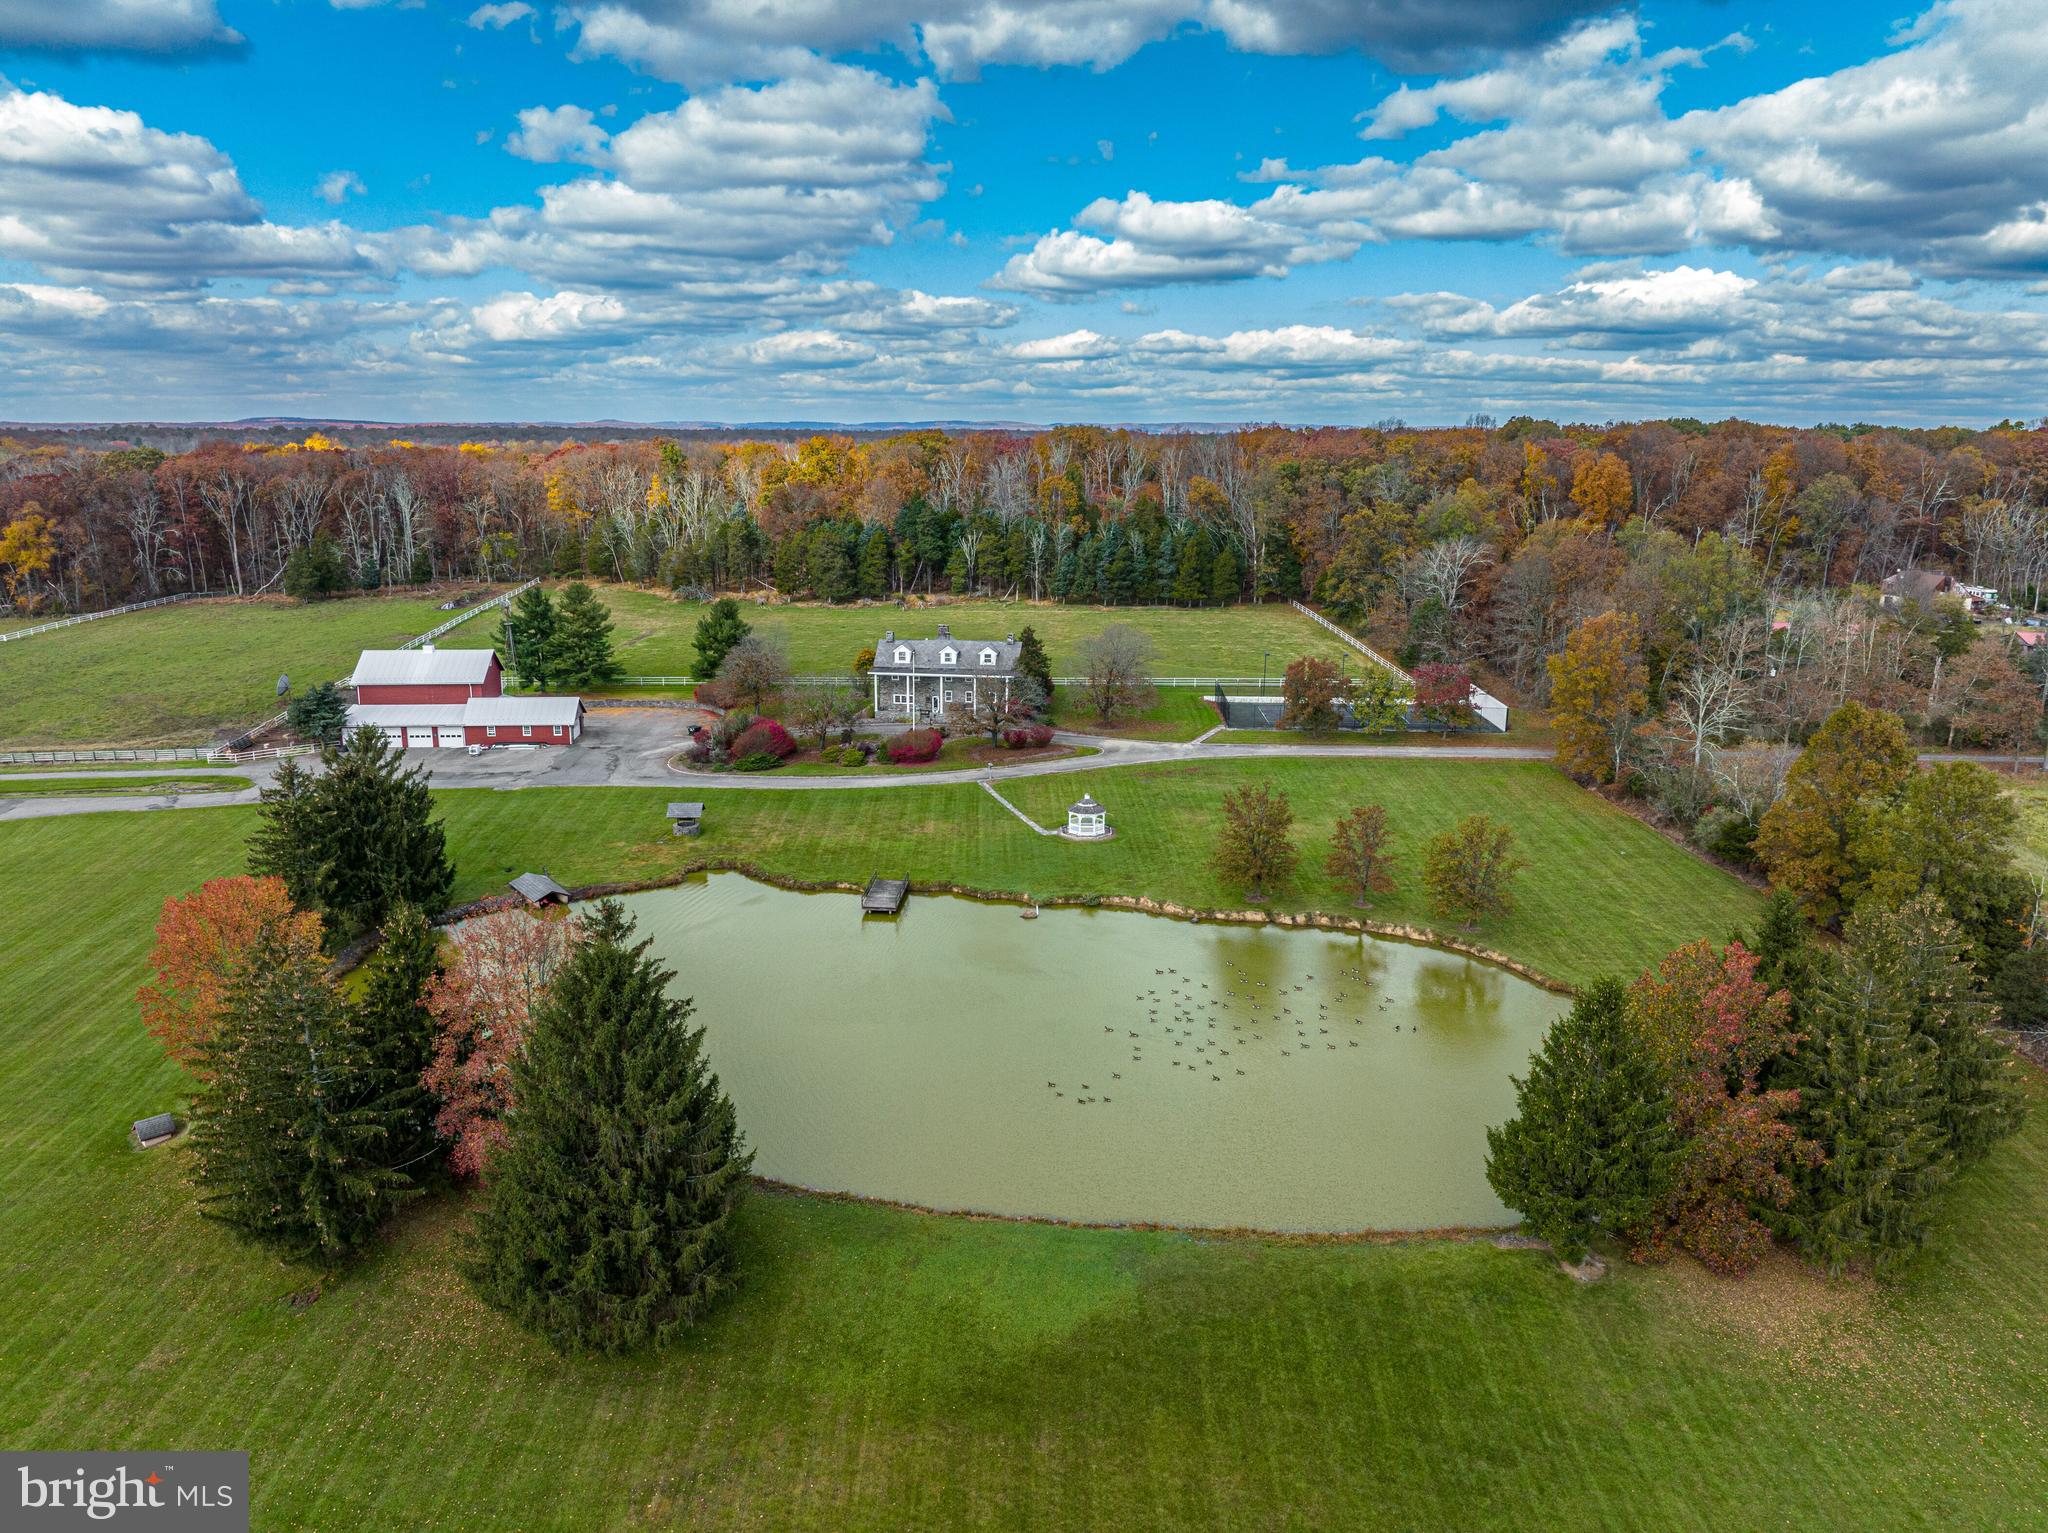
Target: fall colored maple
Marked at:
203, 943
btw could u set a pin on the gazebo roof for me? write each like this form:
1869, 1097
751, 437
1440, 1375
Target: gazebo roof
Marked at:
1086, 806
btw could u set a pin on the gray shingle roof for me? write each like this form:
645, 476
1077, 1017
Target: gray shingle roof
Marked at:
926, 656
680, 811
535, 887
422, 667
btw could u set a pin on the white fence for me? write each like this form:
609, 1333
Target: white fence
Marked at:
91, 617
126, 755
466, 614
1491, 710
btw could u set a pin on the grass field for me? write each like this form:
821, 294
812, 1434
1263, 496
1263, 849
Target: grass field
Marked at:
1178, 713
887, 1370
176, 675
2033, 802
140, 783
657, 636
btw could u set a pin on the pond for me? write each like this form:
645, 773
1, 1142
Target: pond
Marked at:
1101, 1066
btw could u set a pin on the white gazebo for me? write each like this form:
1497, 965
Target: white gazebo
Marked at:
1087, 820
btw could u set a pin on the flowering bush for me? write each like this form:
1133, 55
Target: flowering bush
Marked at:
915, 745
1028, 737
763, 737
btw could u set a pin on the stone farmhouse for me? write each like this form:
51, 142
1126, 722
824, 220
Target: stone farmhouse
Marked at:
922, 678
429, 697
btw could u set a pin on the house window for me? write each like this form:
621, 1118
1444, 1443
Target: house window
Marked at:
899, 698
558, 729
526, 729
902, 655
948, 656
988, 657
490, 731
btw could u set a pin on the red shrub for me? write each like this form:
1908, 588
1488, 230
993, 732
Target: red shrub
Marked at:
764, 737
1028, 737
717, 694
915, 745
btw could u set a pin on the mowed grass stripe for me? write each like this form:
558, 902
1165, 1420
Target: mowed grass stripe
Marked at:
883, 1370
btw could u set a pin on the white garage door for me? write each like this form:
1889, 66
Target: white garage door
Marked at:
447, 737
396, 736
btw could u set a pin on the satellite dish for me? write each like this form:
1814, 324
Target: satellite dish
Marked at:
284, 685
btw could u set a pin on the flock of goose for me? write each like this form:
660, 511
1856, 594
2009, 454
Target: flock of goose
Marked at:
1221, 1033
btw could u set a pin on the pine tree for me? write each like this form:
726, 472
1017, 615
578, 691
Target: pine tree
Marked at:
1926, 957
284, 843
371, 835
1787, 960
1868, 1098
422, 569
718, 630
528, 634
1032, 662
318, 714
1225, 580
610, 1216
1196, 566
399, 1032
873, 567
580, 654
1591, 1147
296, 1137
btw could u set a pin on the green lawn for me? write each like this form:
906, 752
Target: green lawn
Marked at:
177, 675
889, 1371
140, 783
657, 636
1177, 713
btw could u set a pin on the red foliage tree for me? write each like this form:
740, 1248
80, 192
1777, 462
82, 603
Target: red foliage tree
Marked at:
203, 941
481, 1003
1443, 696
915, 745
764, 737
1713, 1026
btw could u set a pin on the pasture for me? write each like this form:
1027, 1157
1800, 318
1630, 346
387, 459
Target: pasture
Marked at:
885, 1370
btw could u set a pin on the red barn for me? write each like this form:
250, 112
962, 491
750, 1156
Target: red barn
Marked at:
431, 697
427, 675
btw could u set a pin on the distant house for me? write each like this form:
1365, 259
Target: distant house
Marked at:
1916, 588
429, 697
922, 678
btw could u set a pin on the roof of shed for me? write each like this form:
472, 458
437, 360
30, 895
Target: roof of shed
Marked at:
680, 811
410, 715
422, 667
522, 710
535, 887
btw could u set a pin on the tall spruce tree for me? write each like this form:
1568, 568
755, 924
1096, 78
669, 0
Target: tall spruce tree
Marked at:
283, 845
1032, 662
1868, 1097
399, 1032
528, 634
581, 653
299, 1129
1591, 1147
1925, 955
372, 837
609, 1223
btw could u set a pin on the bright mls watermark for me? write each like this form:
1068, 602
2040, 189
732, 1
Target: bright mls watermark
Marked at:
164, 1492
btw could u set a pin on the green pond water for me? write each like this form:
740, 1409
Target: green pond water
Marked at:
1101, 1065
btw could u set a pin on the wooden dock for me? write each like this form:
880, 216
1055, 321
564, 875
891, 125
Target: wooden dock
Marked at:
884, 896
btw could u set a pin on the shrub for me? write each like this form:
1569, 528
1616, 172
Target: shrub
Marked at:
764, 737
1727, 834
717, 694
853, 755
756, 761
1028, 737
914, 746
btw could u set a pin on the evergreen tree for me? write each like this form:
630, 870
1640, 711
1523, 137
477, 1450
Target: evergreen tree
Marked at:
580, 653
1590, 1148
1787, 959
718, 630
872, 573
527, 633
315, 571
298, 1127
371, 837
609, 1223
1195, 569
319, 714
282, 845
399, 1031
568, 559
1032, 662
1867, 1097
1225, 581
422, 570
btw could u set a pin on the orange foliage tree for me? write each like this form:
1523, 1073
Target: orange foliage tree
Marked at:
203, 943
481, 1002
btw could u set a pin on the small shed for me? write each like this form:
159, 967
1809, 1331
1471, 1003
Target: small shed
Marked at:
539, 889
686, 819
1087, 820
150, 1132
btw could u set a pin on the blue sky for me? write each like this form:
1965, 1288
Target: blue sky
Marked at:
1038, 210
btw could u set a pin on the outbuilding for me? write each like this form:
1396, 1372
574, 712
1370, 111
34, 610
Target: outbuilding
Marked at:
522, 720
427, 675
1087, 820
539, 889
685, 819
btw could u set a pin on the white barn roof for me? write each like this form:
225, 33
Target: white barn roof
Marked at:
500, 711
408, 715
422, 667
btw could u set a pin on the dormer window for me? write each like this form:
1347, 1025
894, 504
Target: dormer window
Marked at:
988, 657
902, 654
948, 655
